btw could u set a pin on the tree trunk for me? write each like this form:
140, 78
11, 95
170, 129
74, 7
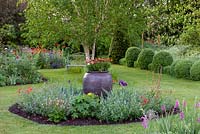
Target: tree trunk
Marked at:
87, 52
93, 49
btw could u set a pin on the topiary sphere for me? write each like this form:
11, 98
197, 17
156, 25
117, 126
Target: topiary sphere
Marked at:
132, 55
172, 69
195, 71
182, 69
145, 58
166, 70
161, 59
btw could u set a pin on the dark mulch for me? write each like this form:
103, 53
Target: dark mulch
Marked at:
16, 109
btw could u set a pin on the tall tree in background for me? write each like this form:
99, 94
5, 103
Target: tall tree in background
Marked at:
10, 18
170, 18
80, 21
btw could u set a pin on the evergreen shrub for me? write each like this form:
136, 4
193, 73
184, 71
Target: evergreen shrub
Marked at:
182, 69
145, 58
122, 61
161, 59
195, 71
132, 55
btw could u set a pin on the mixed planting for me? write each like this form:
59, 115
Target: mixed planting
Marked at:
59, 103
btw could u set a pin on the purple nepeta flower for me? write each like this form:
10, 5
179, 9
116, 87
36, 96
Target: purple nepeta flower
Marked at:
176, 104
198, 105
123, 83
184, 103
182, 115
163, 108
144, 121
198, 120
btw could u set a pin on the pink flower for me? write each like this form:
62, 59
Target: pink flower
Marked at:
182, 115
198, 120
144, 121
163, 108
184, 103
176, 104
198, 105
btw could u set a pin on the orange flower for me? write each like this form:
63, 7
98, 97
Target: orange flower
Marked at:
29, 90
19, 90
144, 100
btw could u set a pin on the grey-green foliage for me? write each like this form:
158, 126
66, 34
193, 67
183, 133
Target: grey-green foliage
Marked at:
145, 58
161, 59
182, 69
132, 55
52, 101
119, 105
195, 71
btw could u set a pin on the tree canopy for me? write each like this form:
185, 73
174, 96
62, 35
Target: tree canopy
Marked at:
80, 22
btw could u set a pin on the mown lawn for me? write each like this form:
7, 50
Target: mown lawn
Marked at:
12, 124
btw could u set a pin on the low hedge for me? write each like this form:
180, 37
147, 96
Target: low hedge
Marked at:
195, 71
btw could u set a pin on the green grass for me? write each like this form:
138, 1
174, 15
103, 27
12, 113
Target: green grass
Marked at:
13, 124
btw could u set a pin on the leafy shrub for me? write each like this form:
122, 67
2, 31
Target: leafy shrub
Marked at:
75, 69
19, 70
152, 100
50, 60
132, 55
167, 70
118, 106
136, 65
2, 80
161, 59
182, 69
150, 67
99, 64
122, 61
120, 42
145, 58
84, 106
172, 69
195, 71
52, 101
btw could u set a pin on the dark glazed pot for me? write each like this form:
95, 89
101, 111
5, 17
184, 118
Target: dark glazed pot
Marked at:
97, 82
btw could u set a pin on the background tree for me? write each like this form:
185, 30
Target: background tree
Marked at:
80, 22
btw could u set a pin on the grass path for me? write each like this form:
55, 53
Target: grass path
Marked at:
12, 124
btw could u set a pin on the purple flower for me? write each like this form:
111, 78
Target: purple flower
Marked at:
123, 83
176, 104
144, 121
198, 120
163, 108
198, 105
182, 115
184, 103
